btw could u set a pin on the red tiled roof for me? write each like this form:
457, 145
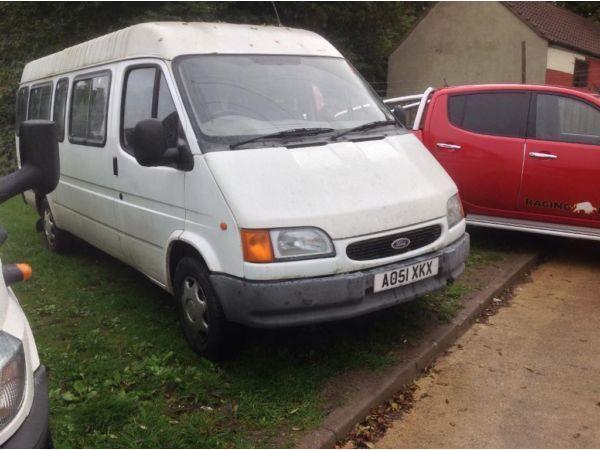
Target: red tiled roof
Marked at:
559, 26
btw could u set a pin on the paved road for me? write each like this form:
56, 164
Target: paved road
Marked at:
529, 378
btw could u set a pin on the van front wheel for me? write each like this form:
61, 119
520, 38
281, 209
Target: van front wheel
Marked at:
200, 312
57, 240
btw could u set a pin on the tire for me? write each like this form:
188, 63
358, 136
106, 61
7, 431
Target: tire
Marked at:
200, 313
57, 240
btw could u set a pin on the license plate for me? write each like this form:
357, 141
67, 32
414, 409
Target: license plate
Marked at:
405, 275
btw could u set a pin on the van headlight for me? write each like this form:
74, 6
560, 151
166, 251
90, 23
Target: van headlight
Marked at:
12, 377
300, 243
285, 244
455, 210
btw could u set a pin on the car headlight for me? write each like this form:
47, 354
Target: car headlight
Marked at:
12, 377
285, 244
455, 210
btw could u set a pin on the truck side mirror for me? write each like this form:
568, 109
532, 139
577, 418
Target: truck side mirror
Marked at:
40, 165
400, 115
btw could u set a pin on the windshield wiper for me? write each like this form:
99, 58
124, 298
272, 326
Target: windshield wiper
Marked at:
291, 133
365, 127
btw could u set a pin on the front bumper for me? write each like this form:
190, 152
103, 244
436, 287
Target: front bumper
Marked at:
282, 303
34, 432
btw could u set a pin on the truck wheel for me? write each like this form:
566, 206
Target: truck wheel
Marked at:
57, 240
200, 313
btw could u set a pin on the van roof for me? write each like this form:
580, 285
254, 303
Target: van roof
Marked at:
166, 40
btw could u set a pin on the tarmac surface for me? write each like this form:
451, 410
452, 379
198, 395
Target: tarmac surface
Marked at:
529, 376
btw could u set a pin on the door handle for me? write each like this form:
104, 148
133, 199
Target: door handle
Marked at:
448, 146
542, 155
115, 167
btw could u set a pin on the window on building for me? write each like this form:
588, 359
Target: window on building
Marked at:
581, 73
566, 119
60, 107
147, 96
498, 113
21, 108
89, 106
40, 98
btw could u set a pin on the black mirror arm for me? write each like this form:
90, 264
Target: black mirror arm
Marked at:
185, 157
17, 182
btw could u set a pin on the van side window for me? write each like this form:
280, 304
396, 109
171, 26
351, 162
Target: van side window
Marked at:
147, 96
89, 105
39, 102
498, 113
21, 112
60, 107
566, 119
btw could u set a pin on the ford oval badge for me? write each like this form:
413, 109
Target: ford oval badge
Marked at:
400, 243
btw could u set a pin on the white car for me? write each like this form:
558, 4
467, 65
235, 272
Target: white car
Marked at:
23, 380
249, 170
24, 409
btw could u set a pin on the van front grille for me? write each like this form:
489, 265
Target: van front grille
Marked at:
381, 247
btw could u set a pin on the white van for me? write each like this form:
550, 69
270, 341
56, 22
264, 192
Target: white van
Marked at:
249, 170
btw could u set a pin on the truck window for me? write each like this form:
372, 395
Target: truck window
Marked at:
60, 107
39, 102
147, 96
497, 113
566, 119
89, 105
21, 110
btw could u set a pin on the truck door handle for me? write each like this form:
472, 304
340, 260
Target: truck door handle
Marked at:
115, 167
448, 146
542, 155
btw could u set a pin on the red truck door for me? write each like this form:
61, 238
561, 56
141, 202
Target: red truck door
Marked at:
561, 171
479, 138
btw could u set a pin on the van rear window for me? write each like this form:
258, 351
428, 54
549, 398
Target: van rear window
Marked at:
21, 112
89, 106
39, 102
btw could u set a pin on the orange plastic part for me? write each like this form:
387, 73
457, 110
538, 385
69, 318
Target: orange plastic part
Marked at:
25, 270
257, 246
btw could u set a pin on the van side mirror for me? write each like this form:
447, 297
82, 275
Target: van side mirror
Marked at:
40, 165
149, 142
400, 115
150, 147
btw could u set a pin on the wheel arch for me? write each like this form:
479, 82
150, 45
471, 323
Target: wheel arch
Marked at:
183, 245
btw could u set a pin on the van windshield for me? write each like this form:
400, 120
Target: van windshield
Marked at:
237, 97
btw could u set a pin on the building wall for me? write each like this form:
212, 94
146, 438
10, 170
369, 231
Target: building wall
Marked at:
466, 43
561, 66
594, 78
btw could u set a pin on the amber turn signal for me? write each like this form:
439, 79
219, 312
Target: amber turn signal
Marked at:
257, 246
26, 270
13, 273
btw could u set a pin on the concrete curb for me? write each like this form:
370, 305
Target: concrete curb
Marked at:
341, 420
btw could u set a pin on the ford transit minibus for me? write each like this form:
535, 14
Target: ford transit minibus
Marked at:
248, 170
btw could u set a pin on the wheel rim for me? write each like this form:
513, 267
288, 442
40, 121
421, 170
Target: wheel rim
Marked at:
195, 308
49, 227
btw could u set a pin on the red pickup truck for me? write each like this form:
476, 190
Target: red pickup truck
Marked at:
524, 157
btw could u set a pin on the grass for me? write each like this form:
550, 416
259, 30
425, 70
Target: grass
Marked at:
122, 375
